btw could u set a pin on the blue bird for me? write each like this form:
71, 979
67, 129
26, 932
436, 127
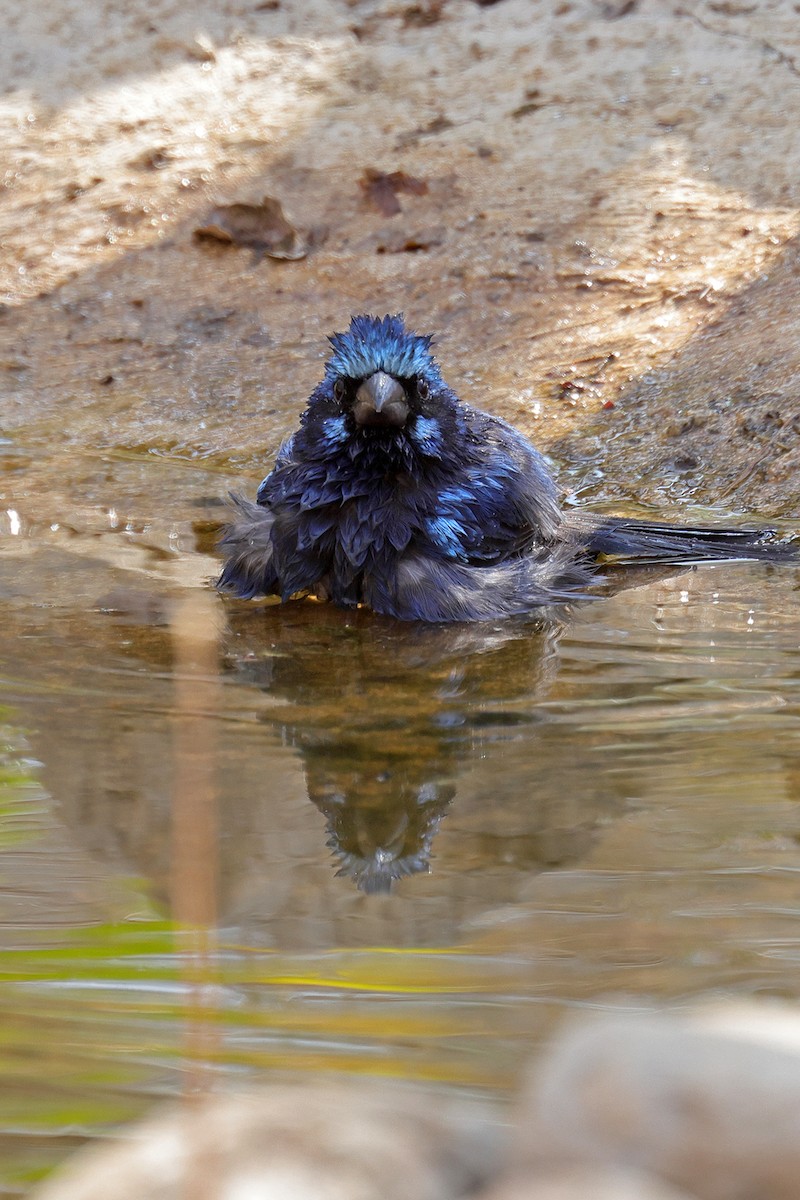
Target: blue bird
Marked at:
395, 494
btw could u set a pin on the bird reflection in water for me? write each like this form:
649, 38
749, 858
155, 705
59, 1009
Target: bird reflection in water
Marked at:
387, 716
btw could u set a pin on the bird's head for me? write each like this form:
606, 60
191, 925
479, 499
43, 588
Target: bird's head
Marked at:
382, 380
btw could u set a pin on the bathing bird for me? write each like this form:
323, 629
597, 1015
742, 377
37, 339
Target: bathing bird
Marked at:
395, 494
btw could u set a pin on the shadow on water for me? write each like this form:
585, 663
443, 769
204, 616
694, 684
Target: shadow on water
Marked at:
387, 717
382, 718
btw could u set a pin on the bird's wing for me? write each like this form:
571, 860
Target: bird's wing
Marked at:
423, 588
249, 569
502, 501
621, 539
283, 459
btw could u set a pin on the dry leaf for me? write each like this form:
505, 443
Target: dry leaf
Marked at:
263, 227
380, 190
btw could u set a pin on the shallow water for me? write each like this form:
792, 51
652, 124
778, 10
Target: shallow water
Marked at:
248, 841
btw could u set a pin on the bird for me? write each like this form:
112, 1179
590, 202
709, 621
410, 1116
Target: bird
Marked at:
396, 495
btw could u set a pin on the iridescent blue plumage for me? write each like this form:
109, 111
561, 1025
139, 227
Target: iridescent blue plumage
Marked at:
380, 344
395, 494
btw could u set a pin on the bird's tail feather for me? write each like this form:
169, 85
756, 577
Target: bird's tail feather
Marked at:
626, 541
248, 569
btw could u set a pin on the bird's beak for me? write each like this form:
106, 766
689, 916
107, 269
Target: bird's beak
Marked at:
381, 400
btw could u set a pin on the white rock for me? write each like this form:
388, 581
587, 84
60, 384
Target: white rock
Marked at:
584, 1183
331, 1142
711, 1104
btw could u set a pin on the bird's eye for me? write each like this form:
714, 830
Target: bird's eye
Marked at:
423, 391
339, 390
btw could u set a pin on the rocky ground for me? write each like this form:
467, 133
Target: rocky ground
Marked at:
594, 203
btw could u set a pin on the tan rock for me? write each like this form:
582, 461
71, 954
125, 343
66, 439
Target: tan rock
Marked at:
584, 1183
707, 1104
334, 1142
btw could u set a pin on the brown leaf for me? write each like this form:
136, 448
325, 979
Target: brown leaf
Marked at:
263, 227
380, 190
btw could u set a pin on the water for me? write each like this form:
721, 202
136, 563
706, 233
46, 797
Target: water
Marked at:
217, 819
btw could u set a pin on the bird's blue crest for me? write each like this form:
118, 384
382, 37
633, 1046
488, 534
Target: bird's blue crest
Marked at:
380, 344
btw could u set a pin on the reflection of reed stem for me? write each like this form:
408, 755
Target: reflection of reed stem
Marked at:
194, 854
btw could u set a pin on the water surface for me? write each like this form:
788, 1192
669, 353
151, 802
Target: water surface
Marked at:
242, 842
